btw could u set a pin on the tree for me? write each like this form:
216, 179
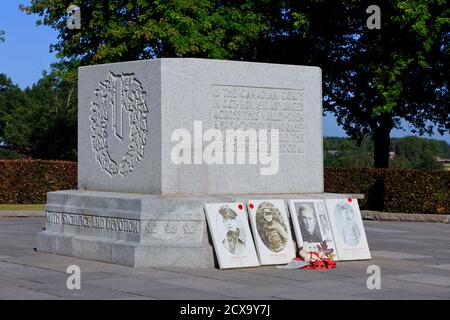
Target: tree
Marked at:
46, 123
2, 36
373, 79
419, 153
119, 30
344, 152
11, 97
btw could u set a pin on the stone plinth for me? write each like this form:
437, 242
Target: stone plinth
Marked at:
137, 204
135, 229
128, 113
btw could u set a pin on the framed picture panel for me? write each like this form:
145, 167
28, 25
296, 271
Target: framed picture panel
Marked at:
348, 229
311, 223
231, 235
271, 231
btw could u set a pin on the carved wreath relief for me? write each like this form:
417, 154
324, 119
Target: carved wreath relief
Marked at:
117, 95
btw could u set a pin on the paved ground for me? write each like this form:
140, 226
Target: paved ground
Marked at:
414, 259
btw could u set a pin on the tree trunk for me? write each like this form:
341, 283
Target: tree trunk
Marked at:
381, 146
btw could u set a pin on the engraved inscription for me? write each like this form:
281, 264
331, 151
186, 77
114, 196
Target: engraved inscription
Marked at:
241, 107
189, 228
115, 98
170, 228
93, 222
150, 228
161, 228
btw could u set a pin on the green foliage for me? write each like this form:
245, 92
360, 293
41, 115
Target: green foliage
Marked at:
343, 152
42, 119
418, 153
11, 97
119, 30
410, 153
28, 181
393, 190
8, 154
373, 79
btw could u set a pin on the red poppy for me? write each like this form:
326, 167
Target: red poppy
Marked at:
319, 264
330, 264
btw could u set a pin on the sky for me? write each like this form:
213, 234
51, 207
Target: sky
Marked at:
26, 54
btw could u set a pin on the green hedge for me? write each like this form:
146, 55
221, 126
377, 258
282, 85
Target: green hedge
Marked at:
28, 181
393, 190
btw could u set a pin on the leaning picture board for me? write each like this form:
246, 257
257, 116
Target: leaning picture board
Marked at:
348, 229
231, 235
310, 221
271, 230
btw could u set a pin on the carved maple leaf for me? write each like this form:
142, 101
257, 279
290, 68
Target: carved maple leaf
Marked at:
323, 247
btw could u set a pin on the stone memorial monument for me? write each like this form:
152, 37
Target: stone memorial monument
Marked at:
156, 141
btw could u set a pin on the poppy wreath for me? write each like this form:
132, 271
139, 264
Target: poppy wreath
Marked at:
317, 256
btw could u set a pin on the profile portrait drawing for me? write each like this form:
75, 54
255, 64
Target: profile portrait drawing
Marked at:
234, 240
346, 225
309, 226
271, 227
325, 227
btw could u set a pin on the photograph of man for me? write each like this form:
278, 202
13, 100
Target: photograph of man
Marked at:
346, 224
309, 225
271, 227
234, 240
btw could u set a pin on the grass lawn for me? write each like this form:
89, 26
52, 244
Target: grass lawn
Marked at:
20, 207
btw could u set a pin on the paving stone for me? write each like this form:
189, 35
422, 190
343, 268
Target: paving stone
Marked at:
397, 295
313, 294
183, 294
14, 270
203, 284
265, 292
17, 293
400, 241
390, 283
440, 266
398, 255
418, 271
425, 278
87, 291
130, 285
383, 230
337, 287
237, 276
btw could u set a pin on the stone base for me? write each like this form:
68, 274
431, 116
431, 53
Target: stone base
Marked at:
135, 229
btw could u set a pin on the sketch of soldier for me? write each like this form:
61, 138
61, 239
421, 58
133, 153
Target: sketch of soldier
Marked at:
271, 227
323, 220
234, 240
325, 228
346, 224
